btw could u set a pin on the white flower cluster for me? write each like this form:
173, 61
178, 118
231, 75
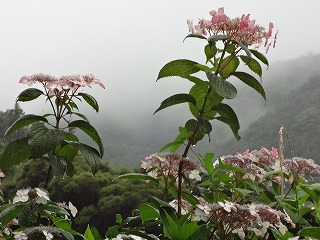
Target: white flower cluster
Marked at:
24, 195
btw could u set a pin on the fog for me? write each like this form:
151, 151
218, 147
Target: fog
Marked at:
125, 44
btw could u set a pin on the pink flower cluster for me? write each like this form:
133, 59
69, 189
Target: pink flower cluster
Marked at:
166, 164
253, 162
257, 163
57, 86
241, 29
237, 218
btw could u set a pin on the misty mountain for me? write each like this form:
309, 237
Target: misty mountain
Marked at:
299, 113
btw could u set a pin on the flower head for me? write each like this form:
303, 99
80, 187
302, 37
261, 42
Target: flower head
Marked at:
242, 29
167, 164
58, 86
37, 195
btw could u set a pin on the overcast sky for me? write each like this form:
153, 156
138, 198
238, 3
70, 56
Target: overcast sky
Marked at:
125, 43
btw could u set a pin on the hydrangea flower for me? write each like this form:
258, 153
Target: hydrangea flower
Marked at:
24, 195
242, 29
20, 236
48, 235
58, 86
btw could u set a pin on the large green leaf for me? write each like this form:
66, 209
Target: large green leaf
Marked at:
8, 213
194, 36
29, 95
253, 64
207, 161
90, 131
16, 152
88, 234
210, 50
90, 100
137, 176
312, 232
222, 87
148, 212
91, 155
24, 121
43, 140
228, 65
260, 56
200, 94
251, 82
178, 67
59, 164
188, 229
226, 111
176, 99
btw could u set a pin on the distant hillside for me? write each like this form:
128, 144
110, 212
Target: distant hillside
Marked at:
299, 112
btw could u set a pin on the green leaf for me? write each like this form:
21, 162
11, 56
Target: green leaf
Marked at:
90, 100
226, 111
194, 36
260, 56
312, 232
29, 95
210, 50
171, 144
8, 213
79, 115
43, 140
315, 197
137, 176
90, 131
66, 234
88, 234
200, 93
178, 68
59, 164
228, 65
251, 82
229, 167
204, 125
222, 87
91, 155
53, 207
207, 161
171, 228
253, 64
188, 229
16, 152
24, 121
190, 198
242, 191
245, 48
176, 99
148, 212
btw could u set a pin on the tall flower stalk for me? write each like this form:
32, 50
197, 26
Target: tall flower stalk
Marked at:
229, 42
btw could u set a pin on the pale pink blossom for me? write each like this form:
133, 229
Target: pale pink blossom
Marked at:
218, 16
191, 26
238, 29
